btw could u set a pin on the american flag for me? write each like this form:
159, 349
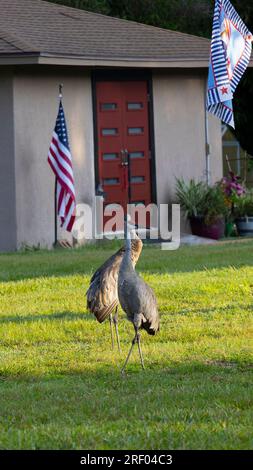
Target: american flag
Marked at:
230, 54
60, 160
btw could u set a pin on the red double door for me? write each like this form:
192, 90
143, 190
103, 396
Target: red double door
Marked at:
123, 136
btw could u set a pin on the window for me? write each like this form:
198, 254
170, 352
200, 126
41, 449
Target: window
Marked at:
134, 106
107, 132
136, 154
137, 179
110, 156
108, 106
111, 181
138, 203
135, 130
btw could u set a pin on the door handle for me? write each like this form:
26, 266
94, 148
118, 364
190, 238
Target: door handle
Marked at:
124, 157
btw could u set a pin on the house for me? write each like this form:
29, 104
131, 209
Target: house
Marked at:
129, 89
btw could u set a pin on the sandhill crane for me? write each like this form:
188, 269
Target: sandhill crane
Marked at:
136, 298
102, 295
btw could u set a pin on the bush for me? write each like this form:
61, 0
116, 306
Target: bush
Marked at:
243, 206
197, 199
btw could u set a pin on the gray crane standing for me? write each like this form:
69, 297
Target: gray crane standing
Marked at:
102, 295
136, 298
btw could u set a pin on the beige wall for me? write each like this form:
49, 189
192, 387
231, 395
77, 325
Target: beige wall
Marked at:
35, 110
179, 122
29, 104
7, 172
215, 136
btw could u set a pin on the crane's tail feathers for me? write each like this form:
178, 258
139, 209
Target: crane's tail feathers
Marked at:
151, 329
103, 313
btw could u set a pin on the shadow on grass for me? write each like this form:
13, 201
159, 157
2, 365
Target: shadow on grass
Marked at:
109, 374
84, 261
61, 316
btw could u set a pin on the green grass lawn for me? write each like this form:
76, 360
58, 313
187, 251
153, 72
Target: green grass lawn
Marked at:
60, 382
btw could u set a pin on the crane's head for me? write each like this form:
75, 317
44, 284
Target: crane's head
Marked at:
136, 248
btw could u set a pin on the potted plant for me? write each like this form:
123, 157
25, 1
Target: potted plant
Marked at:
232, 189
243, 210
204, 206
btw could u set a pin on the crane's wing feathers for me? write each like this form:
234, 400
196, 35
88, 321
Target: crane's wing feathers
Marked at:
102, 295
139, 302
108, 263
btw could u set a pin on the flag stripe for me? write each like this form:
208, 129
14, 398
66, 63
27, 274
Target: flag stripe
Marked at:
60, 161
62, 150
224, 75
61, 201
67, 170
69, 219
63, 179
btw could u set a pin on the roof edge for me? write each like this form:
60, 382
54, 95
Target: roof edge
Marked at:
75, 60
44, 58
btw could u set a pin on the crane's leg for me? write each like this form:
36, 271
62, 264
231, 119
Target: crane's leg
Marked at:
139, 347
115, 321
128, 356
135, 340
110, 320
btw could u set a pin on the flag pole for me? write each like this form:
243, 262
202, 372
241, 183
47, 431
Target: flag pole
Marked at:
207, 141
55, 189
55, 212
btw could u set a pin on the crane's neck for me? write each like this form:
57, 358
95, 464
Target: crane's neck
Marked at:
127, 261
127, 239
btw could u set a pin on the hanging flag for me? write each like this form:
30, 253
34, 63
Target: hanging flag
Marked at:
230, 54
60, 160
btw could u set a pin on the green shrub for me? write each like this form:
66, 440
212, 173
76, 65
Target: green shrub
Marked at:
197, 199
243, 206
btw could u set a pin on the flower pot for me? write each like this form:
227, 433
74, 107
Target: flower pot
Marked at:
230, 229
245, 226
200, 228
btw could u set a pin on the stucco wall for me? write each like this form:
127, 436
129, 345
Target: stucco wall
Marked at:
7, 178
179, 121
29, 104
35, 110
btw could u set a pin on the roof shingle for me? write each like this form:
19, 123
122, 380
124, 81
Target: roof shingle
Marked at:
47, 28
7, 48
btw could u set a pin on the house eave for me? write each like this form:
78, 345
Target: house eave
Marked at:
127, 62
75, 60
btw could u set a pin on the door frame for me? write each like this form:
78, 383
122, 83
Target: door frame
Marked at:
126, 75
